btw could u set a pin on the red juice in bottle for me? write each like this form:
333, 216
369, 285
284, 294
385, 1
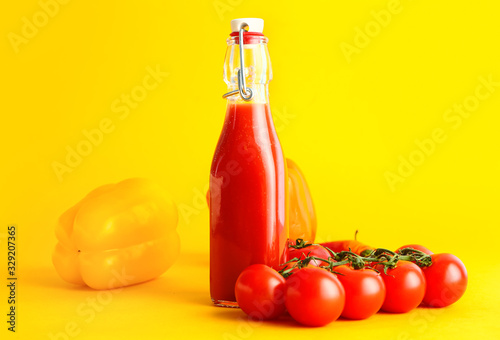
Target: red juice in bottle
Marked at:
248, 200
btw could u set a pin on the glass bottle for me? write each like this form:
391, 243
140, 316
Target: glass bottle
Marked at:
248, 200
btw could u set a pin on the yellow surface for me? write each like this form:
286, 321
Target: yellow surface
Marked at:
349, 119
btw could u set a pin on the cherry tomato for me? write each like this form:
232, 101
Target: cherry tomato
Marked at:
313, 250
364, 292
260, 292
405, 287
314, 296
446, 280
418, 247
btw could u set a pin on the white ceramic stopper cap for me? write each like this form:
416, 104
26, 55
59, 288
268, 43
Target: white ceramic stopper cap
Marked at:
254, 24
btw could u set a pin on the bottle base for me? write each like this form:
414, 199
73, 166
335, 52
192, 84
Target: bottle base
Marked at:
227, 304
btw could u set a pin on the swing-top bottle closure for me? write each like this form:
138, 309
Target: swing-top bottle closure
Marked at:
247, 34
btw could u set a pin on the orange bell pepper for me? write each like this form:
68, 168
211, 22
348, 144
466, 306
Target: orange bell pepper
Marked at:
118, 235
302, 215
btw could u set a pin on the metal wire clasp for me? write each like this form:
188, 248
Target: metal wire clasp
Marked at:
245, 92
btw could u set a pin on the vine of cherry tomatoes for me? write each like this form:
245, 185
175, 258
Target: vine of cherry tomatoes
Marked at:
317, 285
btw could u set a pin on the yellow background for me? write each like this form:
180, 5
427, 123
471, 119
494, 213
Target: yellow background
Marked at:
345, 123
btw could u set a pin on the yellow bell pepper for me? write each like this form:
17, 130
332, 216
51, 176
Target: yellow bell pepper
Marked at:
118, 235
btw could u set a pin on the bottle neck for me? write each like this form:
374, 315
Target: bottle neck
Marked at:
258, 70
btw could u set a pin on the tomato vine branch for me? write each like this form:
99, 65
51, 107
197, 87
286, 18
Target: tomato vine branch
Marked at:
379, 256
